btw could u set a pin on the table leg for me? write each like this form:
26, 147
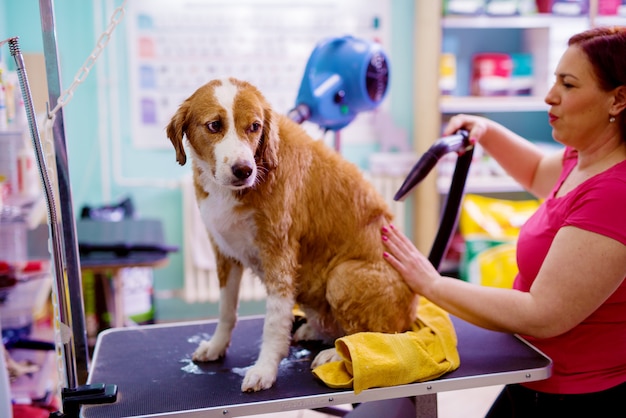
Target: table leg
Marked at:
119, 319
424, 406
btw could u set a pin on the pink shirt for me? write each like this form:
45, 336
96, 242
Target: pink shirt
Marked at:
592, 356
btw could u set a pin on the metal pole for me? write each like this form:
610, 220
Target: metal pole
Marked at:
62, 310
73, 290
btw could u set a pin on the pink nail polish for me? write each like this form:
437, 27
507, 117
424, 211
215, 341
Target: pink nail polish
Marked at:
391, 226
385, 238
386, 254
384, 229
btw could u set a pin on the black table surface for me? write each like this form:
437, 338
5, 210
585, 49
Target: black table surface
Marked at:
152, 368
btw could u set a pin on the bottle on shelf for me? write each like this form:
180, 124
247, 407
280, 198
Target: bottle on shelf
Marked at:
4, 118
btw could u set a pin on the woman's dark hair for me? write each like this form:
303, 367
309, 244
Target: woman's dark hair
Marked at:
605, 48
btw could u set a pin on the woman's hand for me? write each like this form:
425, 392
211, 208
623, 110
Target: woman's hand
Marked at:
476, 126
523, 160
415, 268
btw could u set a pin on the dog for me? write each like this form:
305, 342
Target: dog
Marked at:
297, 214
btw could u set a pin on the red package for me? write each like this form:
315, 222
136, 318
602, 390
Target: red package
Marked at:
491, 74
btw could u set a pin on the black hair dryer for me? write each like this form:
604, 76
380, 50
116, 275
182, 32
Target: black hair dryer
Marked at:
459, 143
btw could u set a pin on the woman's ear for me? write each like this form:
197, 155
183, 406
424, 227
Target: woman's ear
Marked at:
619, 101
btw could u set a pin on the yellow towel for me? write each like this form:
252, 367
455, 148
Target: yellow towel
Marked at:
372, 359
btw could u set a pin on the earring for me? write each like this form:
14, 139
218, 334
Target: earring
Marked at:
612, 119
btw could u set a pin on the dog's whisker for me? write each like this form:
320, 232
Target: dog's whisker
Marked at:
260, 176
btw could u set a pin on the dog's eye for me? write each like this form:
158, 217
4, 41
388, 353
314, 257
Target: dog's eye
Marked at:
214, 126
254, 127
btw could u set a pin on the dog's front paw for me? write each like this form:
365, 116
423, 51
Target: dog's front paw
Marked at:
307, 333
209, 351
325, 356
259, 377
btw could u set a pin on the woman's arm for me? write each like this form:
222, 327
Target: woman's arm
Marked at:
581, 270
524, 161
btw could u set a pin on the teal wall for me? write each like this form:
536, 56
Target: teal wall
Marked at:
76, 38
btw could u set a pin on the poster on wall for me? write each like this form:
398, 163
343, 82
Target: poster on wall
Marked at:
177, 46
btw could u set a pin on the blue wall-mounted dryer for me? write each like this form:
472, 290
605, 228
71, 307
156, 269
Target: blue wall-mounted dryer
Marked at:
344, 76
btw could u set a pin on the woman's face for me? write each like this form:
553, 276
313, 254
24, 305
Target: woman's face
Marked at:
579, 109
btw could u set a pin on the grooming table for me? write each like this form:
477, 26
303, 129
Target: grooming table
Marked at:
152, 367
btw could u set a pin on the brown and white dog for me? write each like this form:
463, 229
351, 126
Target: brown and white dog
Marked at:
298, 215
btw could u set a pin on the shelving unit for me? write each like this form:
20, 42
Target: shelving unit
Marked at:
543, 35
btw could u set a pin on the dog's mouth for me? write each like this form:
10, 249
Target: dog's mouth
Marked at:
241, 184
238, 184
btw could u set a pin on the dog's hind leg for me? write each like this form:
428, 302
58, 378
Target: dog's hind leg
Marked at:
229, 298
367, 296
370, 296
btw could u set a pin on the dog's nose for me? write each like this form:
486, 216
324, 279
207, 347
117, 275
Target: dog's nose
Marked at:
242, 170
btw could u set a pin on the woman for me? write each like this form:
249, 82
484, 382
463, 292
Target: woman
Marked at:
569, 297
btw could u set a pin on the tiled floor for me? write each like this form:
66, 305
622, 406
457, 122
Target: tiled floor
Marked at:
470, 403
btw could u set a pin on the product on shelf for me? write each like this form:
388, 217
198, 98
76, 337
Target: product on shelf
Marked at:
463, 7
521, 74
447, 74
489, 7
491, 74
13, 238
510, 7
490, 228
609, 7
10, 145
570, 7
18, 173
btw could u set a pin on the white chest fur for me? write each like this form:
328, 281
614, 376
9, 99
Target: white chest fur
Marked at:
233, 231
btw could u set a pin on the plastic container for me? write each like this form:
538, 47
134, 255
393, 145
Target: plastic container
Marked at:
522, 75
463, 7
13, 239
502, 7
608, 7
491, 74
6, 409
17, 311
447, 74
10, 146
570, 7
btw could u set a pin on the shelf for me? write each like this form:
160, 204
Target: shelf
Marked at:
474, 104
508, 22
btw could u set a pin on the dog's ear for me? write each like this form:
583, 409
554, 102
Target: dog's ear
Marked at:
176, 130
267, 153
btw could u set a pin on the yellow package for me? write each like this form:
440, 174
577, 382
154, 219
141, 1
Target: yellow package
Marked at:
490, 228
